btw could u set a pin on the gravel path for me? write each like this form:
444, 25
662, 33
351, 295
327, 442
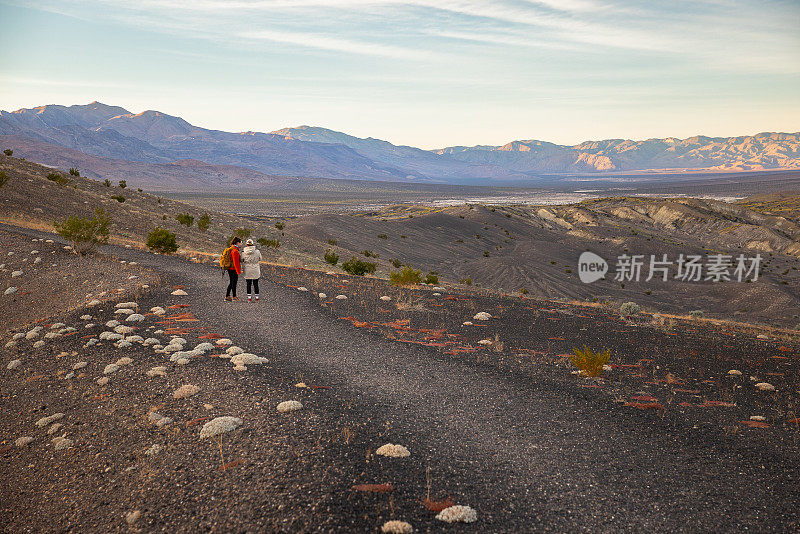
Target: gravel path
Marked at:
527, 456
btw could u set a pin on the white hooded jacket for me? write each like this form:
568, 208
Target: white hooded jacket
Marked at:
250, 258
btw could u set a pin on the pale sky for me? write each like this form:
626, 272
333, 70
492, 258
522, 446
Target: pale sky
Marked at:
427, 73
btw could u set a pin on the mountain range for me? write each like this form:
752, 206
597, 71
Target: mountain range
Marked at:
163, 151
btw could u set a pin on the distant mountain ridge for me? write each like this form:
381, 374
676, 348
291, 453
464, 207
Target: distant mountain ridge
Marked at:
104, 133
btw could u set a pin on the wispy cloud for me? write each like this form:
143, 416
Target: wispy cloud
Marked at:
336, 44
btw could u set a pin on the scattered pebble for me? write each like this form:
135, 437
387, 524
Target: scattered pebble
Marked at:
15, 274
485, 342
386, 298
219, 425
22, 441
38, 344
123, 361
153, 450
322, 296
735, 372
10, 291
94, 302
157, 371
467, 323
54, 428
341, 297
103, 380
132, 517
62, 443
110, 368
458, 513
393, 451
13, 364
185, 391
765, 386
301, 288
757, 418
397, 527
289, 406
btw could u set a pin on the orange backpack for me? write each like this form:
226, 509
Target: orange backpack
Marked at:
225, 259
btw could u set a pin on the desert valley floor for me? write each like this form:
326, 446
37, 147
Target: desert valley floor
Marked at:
105, 434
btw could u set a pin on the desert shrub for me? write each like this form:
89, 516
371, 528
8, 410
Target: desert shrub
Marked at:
107, 182
279, 225
123, 184
139, 189
118, 198
74, 172
408, 276
185, 219
696, 314
370, 254
332, 242
629, 308
485, 253
589, 362
358, 267
331, 257
162, 240
524, 291
84, 233
8, 152
242, 233
397, 263
383, 236
465, 281
203, 222
58, 178
431, 279
270, 243
3, 178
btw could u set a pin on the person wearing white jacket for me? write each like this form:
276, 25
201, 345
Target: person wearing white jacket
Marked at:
252, 271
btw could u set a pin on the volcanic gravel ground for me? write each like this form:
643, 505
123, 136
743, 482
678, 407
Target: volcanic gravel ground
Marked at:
517, 438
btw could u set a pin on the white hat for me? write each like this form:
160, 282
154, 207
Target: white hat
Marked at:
249, 242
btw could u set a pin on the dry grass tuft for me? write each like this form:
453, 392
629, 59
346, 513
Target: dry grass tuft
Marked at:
589, 362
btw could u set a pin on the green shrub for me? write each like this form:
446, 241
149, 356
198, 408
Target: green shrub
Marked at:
383, 236
118, 198
185, 219
139, 189
485, 253
203, 222
466, 281
524, 291
8, 152
408, 276
431, 279
84, 233
397, 263
74, 172
279, 225
242, 233
589, 362
3, 178
331, 257
162, 241
58, 178
107, 182
696, 314
358, 267
123, 184
629, 308
332, 242
270, 243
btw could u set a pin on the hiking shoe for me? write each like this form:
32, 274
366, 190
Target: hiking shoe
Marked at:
228, 299
235, 298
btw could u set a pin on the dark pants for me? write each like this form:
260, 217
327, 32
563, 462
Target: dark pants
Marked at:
232, 284
254, 283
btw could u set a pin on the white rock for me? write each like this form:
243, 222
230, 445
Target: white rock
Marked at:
204, 347
127, 305
735, 372
38, 344
233, 351
10, 291
124, 361
124, 330
135, 339
757, 418
393, 451
765, 386
123, 311
341, 297
437, 294
135, 318
52, 335
79, 365
467, 323
157, 371
438, 288
44, 421
185, 391
158, 310
322, 296
302, 288
10, 344
458, 513
110, 368
397, 527
224, 342
219, 425
15, 274
94, 302
179, 293
289, 406
482, 316
33, 333
485, 342
240, 368
24, 440
54, 428
151, 341
62, 443
182, 361
112, 323
13, 364
37, 261
386, 298
103, 380
132, 517
86, 317
153, 450
110, 336
246, 358
18, 335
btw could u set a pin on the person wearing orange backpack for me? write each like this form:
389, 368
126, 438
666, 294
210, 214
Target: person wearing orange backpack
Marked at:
230, 261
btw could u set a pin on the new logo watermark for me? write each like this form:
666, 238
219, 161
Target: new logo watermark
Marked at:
686, 268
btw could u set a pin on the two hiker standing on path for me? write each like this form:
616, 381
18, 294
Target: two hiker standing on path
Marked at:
233, 259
